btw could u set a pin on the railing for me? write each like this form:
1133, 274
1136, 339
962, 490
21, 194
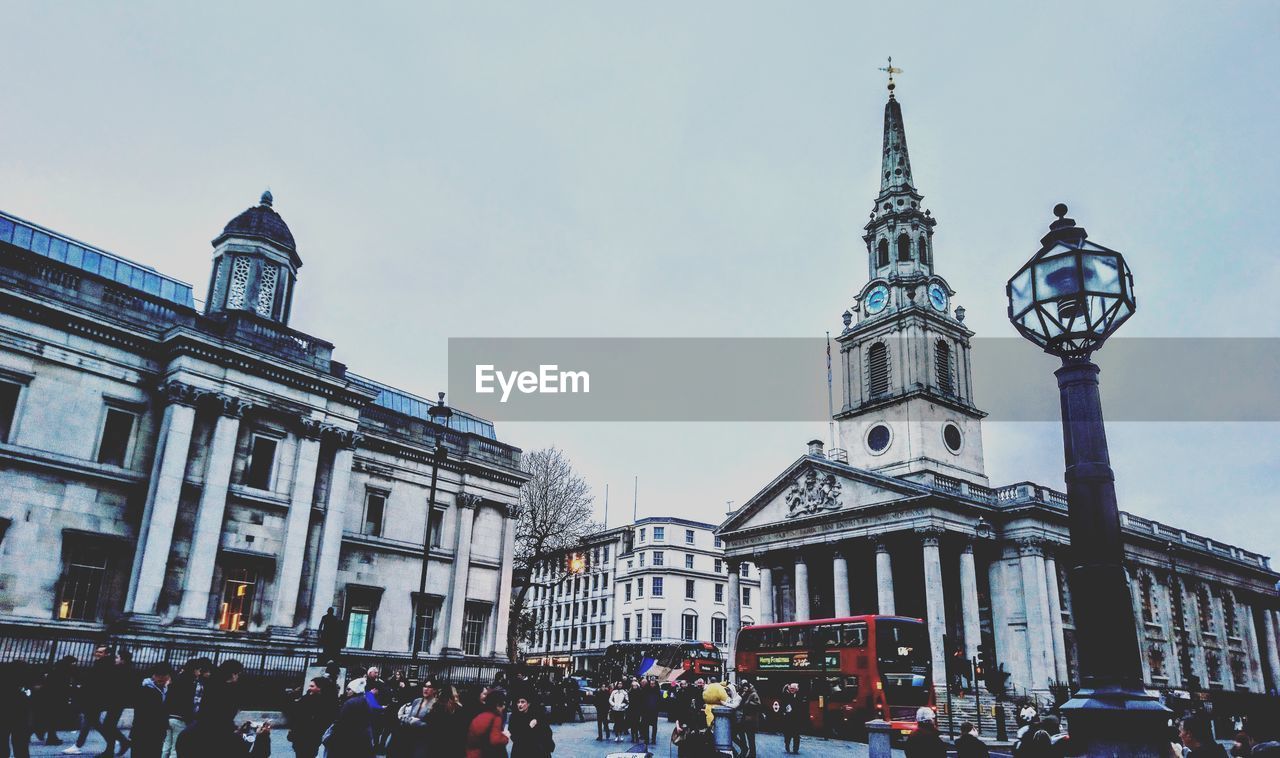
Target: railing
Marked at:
278, 339
839, 455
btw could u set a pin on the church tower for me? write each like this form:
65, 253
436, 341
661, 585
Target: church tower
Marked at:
255, 265
908, 396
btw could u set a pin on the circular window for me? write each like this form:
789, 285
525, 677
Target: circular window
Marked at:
952, 437
878, 439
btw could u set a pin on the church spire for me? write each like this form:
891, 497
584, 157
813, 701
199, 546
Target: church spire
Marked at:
896, 163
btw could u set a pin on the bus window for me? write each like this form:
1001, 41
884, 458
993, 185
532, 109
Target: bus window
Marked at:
829, 634
749, 639
799, 637
842, 689
853, 635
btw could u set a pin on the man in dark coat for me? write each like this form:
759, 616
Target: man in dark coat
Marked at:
794, 713
968, 745
150, 713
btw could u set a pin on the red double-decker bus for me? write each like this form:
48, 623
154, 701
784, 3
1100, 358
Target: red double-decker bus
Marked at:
849, 670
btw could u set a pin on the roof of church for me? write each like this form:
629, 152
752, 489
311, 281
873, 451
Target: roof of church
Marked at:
260, 222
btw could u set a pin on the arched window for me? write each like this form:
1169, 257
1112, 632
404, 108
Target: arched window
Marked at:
904, 247
882, 254
1145, 588
942, 366
878, 361
924, 249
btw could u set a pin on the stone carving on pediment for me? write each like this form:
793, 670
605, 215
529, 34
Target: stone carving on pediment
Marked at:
230, 406
310, 428
813, 492
180, 393
468, 500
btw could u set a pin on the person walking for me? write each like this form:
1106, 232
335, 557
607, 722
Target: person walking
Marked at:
15, 709
619, 703
352, 735
447, 724
794, 715
91, 694
749, 709
51, 700
969, 745
486, 737
151, 713
412, 737
124, 682
530, 732
311, 716
1196, 733
601, 701
186, 692
925, 741
650, 699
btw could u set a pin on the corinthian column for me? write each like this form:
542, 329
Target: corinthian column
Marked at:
1055, 618
334, 523
840, 584
465, 506
884, 579
511, 512
296, 525
207, 533
802, 589
934, 603
155, 536
766, 594
1031, 559
735, 610
969, 602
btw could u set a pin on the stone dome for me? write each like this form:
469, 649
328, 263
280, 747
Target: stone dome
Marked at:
260, 222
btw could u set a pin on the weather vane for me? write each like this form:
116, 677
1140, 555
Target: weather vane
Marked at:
891, 70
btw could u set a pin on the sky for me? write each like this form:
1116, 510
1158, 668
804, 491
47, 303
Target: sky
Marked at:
574, 169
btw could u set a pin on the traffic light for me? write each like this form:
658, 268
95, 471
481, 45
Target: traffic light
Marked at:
980, 663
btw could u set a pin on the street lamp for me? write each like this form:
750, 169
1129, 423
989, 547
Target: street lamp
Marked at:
1068, 299
575, 566
439, 414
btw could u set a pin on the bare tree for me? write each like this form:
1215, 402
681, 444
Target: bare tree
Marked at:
555, 514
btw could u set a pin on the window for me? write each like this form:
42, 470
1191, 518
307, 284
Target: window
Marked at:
688, 560
375, 507
604, 581
117, 434
626, 591
591, 634
657, 586
719, 592
689, 626
924, 249
437, 529
425, 611
239, 589
604, 606
640, 587
716, 566
642, 560
719, 542
688, 536
878, 373
655, 625
642, 534
262, 462
659, 534
639, 625
626, 628
9, 393
882, 253
658, 558
83, 579
942, 366
1148, 600
744, 569
717, 630
746, 596
904, 247
606, 553
474, 621
688, 589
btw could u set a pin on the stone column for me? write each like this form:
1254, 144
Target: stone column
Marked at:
1040, 647
934, 604
334, 523
840, 584
1055, 617
465, 506
766, 595
155, 535
802, 589
969, 602
297, 523
207, 533
511, 512
1252, 650
1273, 655
735, 608
884, 579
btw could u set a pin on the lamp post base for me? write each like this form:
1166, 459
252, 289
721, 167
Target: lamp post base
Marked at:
1115, 721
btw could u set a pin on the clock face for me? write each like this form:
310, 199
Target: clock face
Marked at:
877, 299
938, 296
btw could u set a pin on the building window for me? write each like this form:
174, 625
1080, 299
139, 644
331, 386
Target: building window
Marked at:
425, 611
904, 247
688, 560
238, 290
716, 566
1204, 603
719, 542
878, 374
626, 591
655, 625
658, 558
267, 290
689, 626
474, 621
641, 555
239, 589
9, 393
117, 436
591, 634
642, 534
626, 628
437, 528
717, 630
262, 462
659, 534
606, 553
719, 592
604, 581
746, 596
657, 586
688, 536
375, 509
639, 626
924, 249
744, 569
1155, 659
604, 606
83, 578
1230, 618
640, 587
882, 253
942, 366
1147, 599
688, 589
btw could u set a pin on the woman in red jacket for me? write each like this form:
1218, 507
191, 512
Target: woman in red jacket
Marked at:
486, 737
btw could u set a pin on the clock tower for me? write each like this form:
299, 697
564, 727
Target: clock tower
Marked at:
908, 397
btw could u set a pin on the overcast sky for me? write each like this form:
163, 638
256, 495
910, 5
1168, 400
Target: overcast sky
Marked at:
673, 169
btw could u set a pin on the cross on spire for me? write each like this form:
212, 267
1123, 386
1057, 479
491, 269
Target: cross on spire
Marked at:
891, 70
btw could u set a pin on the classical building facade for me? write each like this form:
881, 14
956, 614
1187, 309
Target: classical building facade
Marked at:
211, 474
660, 579
905, 521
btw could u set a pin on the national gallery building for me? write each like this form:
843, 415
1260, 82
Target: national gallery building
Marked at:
906, 522
175, 475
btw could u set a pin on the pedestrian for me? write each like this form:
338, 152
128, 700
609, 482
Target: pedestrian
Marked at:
412, 738
91, 694
619, 703
447, 724
572, 700
601, 701
124, 682
51, 701
635, 718
748, 720
352, 733
15, 709
650, 699
486, 737
210, 738
1196, 733
530, 732
220, 698
969, 745
925, 741
186, 693
794, 715
151, 713
1028, 714
311, 716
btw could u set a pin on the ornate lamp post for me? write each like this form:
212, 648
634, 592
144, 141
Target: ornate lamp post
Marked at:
439, 414
1068, 299
575, 567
